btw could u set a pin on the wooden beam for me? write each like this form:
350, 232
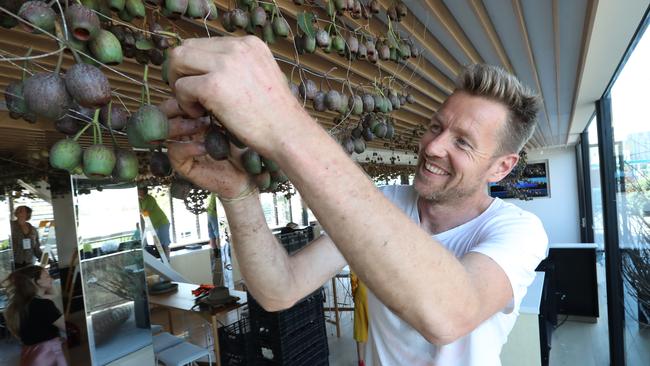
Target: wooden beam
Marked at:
488, 27
444, 16
419, 31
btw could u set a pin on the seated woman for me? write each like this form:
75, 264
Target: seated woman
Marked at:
32, 317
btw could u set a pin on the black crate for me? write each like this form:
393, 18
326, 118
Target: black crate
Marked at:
236, 344
295, 240
306, 347
286, 322
295, 336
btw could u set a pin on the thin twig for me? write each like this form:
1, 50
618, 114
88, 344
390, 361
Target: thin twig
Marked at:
28, 58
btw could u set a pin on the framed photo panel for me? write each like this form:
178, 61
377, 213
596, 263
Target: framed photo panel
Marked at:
534, 182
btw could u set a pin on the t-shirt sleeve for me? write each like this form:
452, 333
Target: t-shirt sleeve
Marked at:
517, 242
47, 311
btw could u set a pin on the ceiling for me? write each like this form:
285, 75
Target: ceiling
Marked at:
566, 50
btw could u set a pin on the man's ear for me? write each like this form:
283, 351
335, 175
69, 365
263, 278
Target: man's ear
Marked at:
502, 166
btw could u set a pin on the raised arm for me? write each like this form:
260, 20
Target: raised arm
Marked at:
275, 279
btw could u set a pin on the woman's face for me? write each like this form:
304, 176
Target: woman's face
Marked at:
22, 214
44, 281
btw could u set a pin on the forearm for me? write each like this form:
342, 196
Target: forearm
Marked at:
404, 267
263, 262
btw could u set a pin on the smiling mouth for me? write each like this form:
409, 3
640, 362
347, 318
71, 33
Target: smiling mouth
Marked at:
433, 169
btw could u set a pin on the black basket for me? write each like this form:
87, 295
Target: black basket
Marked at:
286, 322
295, 240
307, 346
236, 345
295, 336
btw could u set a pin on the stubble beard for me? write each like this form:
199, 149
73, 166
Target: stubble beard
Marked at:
444, 195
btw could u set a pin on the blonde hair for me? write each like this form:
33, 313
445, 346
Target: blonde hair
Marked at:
21, 288
523, 103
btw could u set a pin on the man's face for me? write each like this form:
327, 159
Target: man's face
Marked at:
457, 152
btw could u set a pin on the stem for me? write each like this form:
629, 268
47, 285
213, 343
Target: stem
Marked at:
58, 63
76, 137
94, 133
75, 54
146, 83
110, 123
26, 64
96, 123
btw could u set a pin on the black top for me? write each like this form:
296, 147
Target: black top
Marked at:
38, 324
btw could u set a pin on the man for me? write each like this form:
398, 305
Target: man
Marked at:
159, 221
445, 265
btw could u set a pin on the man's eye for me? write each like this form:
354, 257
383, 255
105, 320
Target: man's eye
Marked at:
463, 143
436, 128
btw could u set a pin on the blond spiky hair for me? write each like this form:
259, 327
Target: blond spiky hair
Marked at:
523, 104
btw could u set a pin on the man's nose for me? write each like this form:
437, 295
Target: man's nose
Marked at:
436, 146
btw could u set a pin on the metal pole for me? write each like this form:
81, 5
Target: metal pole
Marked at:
615, 305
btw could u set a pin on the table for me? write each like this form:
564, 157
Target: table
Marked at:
184, 300
345, 273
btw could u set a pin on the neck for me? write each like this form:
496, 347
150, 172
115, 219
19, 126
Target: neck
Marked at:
436, 218
40, 292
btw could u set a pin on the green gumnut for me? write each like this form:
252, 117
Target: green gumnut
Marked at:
252, 162
65, 154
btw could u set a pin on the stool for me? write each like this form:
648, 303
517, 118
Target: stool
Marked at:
164, 341
183, 354
155, 328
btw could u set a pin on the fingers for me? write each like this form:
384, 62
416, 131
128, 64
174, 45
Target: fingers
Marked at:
170, 108
191, 162
190, 61
182, 151
179, 127
187, 93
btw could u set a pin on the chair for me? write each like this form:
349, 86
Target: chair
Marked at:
164, 341
183, 354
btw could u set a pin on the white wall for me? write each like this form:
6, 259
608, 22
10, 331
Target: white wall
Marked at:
560, 212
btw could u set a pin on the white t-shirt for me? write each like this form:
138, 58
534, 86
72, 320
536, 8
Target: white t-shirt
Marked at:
513, 238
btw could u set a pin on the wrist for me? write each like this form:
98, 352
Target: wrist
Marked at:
288, 136
248, 191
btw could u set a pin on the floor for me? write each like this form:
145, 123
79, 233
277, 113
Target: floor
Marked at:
579, 343
574, 343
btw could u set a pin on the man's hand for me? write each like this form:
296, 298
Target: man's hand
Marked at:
238, 81
189, 158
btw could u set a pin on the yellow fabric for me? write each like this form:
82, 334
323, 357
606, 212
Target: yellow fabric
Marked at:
360, 297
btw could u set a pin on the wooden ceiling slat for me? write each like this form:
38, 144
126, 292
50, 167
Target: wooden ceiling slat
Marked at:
417, 30
533, 65
284, 48
135, 71
376, 27
444, 17
488, 27
362, 73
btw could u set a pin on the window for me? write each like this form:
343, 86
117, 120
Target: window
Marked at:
629, 99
